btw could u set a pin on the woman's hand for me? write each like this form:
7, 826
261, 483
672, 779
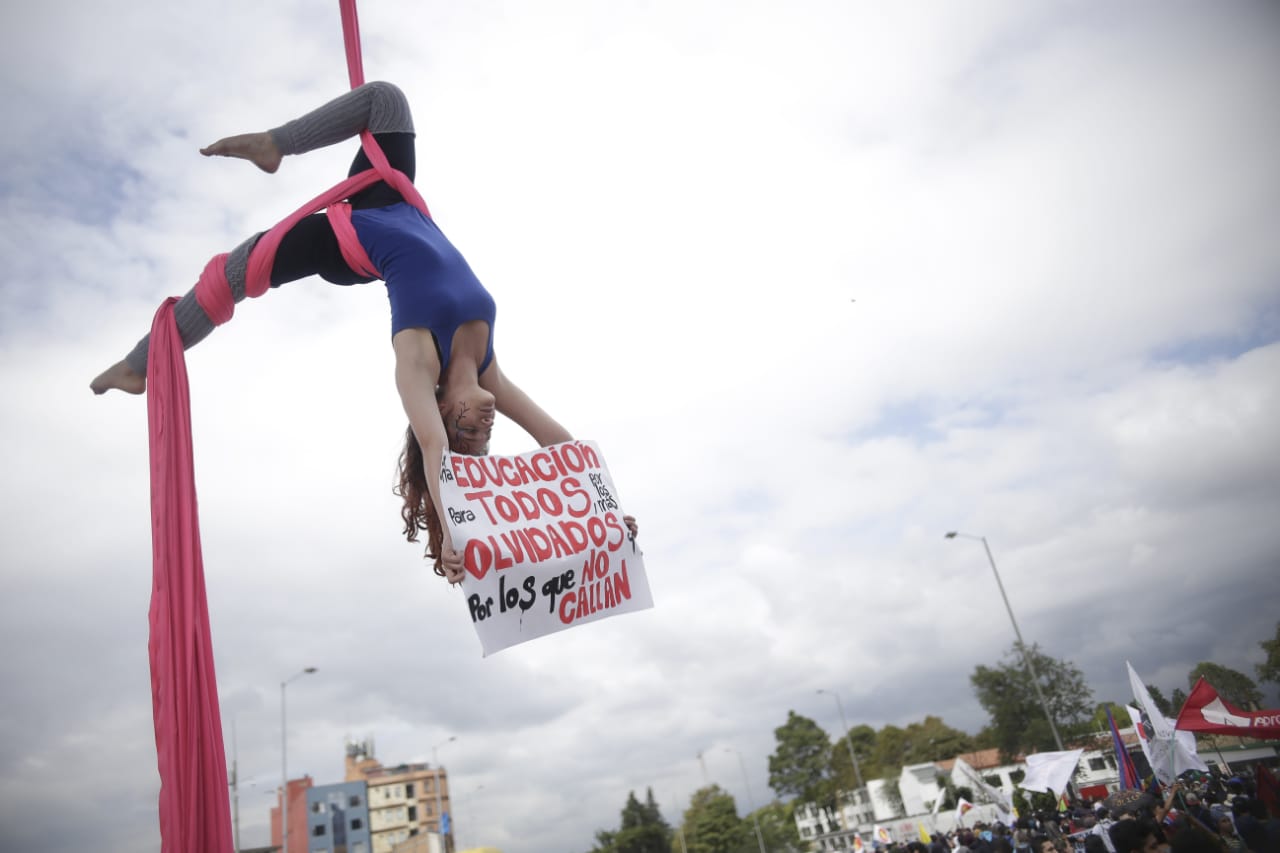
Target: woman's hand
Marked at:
630, 522
451, 562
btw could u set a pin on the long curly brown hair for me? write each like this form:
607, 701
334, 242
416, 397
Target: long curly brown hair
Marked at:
418, 512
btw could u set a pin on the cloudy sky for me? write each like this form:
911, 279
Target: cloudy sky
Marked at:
825, 280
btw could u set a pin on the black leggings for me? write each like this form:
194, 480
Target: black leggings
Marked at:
311, 247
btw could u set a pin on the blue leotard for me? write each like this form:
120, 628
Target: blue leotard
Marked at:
429, 283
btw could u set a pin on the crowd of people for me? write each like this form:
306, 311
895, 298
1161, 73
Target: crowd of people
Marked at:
1213, 815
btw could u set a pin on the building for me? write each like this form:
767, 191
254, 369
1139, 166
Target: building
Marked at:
404, 801
428, 842
297, 816
902, 805
338, 818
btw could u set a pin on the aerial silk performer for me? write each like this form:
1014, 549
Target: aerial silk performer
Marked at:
376, 226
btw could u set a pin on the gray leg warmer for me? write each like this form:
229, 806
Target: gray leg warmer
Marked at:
194, 324
380, 107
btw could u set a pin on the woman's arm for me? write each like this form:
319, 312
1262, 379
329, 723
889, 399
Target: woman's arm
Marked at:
417, 370
512, 402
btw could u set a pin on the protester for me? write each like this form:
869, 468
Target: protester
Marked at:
442, 317
1251, 824
1094, 844
1134, 835
1196, 839
1195, 809
1227, 833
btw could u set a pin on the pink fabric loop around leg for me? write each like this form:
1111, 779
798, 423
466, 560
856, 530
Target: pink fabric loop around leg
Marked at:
349, 242
258, 276
397, 179
214, 293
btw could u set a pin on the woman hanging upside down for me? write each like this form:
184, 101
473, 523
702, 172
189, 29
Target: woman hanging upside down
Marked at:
441, 315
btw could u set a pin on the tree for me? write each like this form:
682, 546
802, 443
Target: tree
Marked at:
932, 739
890, 752
777, 827
892, 791
711, 823
1236, 687
1177, 699
1162, 704
928, 740
643, 830
1098, 722
863, 740
1018, 721
1269, 669
801, 764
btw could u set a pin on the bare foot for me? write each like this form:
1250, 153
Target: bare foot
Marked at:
258, 148
121, 377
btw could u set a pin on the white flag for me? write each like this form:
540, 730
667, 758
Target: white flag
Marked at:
995, 795
1184, 756
1050, 771
1158, 742
1168, 755
1161, 726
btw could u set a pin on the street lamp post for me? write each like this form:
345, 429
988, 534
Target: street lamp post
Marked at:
444, 846
848, 740
853, 756
1022, 647
675, 810
284, 762
750, 800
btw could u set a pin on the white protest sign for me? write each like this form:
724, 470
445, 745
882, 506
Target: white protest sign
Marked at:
545, 545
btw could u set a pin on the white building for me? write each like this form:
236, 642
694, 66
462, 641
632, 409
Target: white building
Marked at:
918, 789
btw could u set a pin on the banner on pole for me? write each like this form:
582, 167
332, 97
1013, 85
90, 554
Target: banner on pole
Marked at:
546, 547
1206, 711
1050, 772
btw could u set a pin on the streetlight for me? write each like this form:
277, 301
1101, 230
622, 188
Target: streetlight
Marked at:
284, 762
848, 740
439, 807
675, 810
853, 756
750, 800
1022, 647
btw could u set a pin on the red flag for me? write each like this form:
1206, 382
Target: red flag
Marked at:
1206, 711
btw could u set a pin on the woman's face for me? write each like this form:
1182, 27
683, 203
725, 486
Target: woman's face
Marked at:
468, 420
1225, 826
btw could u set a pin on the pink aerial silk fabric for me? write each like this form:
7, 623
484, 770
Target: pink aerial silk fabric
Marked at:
194, 810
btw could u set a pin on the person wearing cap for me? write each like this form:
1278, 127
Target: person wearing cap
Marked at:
1196, 810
